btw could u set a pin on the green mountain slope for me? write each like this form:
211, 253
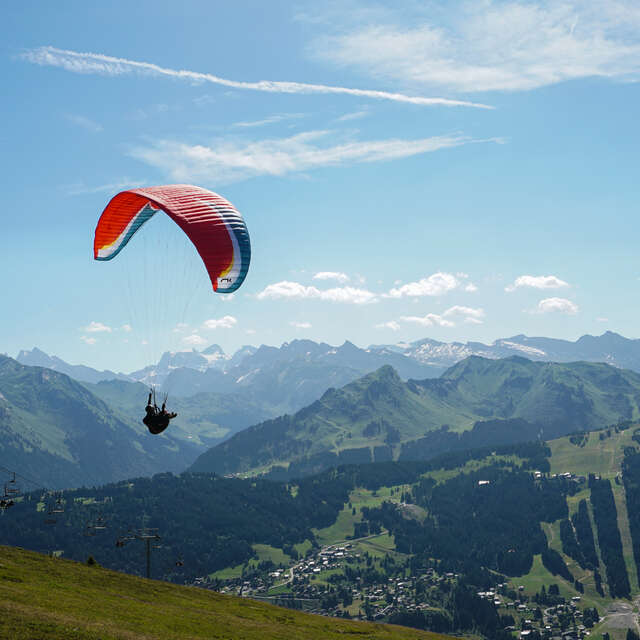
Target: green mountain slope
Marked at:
380, 417
54, 430
205, 418
47, 598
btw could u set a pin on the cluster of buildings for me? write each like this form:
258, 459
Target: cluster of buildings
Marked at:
559, 622
331, 557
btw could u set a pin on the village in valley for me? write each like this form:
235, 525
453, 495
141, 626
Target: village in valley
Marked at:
366, 579
319, 584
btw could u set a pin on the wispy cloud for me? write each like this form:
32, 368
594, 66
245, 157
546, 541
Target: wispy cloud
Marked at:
279, 117
231, 160
332, 275
97, 63
88, 340
557, 305
85, 123
194, 340
79, 188
487, 46
354, 115
295, 290
537, 282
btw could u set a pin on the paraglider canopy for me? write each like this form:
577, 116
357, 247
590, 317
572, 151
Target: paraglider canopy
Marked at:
213, 224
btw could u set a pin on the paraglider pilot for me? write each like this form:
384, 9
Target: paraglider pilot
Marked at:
157, 420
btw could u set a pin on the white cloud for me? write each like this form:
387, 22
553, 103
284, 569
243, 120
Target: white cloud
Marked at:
227, 297
181, 327
127, 328
97, 63
430, 320
600, 319
194, 340
226, 322
227, 160
470, 288
88, 340
295, 290
250, 331
97, 327
468, 314
332, 275
446, 319
488, 46
85, 123
392, 324
436, 284
300, 325
559, 305
537, 282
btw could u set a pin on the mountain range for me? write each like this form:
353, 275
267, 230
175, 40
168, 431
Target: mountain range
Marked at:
279, 391
380, 417
189, 372
271, 381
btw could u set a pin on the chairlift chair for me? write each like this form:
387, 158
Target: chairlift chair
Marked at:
11, 487
58, 506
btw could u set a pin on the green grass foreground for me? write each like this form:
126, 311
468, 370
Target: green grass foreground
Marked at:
43, 597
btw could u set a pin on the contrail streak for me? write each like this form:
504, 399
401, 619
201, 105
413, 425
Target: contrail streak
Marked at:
79, 62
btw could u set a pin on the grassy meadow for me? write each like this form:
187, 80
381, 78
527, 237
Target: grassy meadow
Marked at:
46, 598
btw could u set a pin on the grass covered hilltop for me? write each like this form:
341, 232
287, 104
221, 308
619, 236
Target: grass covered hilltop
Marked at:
43, 597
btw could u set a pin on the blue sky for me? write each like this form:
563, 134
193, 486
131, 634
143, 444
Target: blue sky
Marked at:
460, 171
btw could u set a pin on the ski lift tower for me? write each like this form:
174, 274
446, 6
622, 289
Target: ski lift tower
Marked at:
147, 535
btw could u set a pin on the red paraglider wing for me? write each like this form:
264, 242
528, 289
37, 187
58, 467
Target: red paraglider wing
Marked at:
213, 225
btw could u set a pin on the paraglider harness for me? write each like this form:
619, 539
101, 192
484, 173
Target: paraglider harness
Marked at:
157, 419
